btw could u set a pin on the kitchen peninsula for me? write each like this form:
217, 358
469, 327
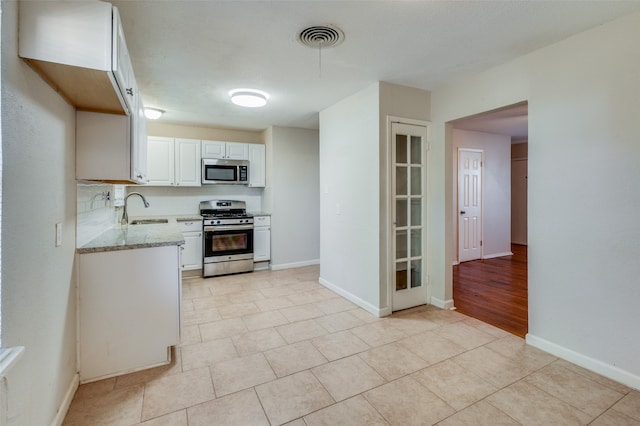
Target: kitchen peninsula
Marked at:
129, 290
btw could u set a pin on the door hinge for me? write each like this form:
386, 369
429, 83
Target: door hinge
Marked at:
480, 242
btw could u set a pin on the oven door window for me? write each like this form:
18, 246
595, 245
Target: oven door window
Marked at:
221, 173
225, 243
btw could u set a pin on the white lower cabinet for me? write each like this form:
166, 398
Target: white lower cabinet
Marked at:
261, 238
129, 310
192, 253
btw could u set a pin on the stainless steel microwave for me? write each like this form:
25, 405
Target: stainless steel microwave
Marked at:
217, 171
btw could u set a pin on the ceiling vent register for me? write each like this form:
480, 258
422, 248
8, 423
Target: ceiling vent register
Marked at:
321, 36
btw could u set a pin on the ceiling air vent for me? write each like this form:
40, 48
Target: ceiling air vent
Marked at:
322, 36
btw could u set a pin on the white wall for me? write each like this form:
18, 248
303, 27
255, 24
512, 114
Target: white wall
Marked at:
94, 209
292, 196
583, 96
496, 190
39, 190
165, 200
354, 177
349, 197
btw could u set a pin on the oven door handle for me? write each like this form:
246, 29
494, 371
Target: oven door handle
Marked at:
227, 228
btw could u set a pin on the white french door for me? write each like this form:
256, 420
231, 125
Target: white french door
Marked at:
408, 183
469, 204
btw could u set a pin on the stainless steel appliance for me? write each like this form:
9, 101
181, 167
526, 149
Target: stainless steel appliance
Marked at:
216, 171
228, 237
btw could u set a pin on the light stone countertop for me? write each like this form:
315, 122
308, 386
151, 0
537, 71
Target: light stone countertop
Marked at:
139, 236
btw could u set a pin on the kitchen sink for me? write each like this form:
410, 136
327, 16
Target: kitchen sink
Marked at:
148, 221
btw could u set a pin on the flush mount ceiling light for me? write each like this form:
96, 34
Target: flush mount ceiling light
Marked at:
153, 113
249, 98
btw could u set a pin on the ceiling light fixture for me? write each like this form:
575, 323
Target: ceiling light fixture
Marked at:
249, 98
153, 113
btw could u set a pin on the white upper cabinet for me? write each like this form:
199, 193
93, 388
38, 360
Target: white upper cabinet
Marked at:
237, 151
187, 162
257, 178
160, 162
108, 150
122, 68
213, 149
174, 162
139, 137
225, 150
79, 49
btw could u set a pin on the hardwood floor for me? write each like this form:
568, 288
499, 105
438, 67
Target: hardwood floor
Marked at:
494, 290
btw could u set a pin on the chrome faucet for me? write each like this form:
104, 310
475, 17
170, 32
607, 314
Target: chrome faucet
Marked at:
125, 217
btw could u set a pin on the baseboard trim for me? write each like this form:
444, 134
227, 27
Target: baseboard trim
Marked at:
66, 402
591, 364
442, 304
491, 256
261, 266
295, 264
374, 310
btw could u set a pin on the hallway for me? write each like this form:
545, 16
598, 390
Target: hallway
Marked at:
494, 290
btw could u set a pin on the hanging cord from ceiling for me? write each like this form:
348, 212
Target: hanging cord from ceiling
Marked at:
321, 36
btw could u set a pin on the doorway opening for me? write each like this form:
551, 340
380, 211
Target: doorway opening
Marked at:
490, 283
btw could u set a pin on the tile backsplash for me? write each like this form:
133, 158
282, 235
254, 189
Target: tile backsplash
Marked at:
95, 210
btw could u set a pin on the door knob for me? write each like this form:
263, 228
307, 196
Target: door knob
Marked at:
462, 212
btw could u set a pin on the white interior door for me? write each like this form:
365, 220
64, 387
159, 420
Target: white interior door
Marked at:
409, 155
469, 204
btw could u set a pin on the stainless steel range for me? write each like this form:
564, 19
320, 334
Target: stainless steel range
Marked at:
228, 237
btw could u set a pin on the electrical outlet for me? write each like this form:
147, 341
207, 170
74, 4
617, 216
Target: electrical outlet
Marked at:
58, 234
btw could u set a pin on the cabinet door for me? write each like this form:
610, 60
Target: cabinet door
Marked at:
187, 162
129, 310
213, 149
122, 68
160, 154
103, 146
192, 253
257, 165
139, 166
261, 244
237, 151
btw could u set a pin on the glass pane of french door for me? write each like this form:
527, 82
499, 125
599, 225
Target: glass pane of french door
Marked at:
408, 183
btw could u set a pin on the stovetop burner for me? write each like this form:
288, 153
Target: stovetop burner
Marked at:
225, 215
225, 212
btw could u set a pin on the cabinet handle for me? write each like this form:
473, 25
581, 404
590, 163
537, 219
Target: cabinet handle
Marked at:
130, 91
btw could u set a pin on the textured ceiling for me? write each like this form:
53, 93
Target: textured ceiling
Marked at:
188, 54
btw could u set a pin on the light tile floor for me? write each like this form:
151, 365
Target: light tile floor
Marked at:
275, 347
